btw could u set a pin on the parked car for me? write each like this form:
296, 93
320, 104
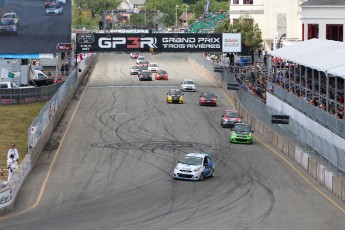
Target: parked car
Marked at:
175, 96
230, 118
54, 9
194, 166
161, 74
241, 133
208, 98
188, 85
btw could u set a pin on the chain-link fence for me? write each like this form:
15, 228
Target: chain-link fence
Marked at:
312, 141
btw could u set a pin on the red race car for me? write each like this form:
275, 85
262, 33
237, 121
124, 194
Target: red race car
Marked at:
134, 55
47, 3
230, 118
161, 75
208, 98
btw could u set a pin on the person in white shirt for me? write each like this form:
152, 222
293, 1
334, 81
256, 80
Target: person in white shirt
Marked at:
13, 151
11, 166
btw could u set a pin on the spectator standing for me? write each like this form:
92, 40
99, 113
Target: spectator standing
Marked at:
11, 166
13, 151
259, 53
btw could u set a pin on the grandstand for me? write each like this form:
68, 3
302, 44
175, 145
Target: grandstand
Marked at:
207, 22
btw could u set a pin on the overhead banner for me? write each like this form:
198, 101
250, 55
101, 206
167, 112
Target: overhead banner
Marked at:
158, 42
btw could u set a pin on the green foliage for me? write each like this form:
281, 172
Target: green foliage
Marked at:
168, 8
249, 30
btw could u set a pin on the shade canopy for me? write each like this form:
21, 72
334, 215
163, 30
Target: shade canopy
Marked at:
323, 55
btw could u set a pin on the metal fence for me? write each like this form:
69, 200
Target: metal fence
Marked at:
312, 142
28, 95
335, 124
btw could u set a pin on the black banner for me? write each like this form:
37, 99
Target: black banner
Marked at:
217, 69
280, 119
157, 42
230, 86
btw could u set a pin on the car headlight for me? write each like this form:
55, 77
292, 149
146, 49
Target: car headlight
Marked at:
197, 169
177, 168
225, 120
239, 120
250, 134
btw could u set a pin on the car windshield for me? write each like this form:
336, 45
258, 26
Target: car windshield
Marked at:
208, 95
190, 160
189, 82
7, 22
176, 93
145, 73
161, 71
54, 6
9, 16
242, 128
153, 65
232, 114
135, 67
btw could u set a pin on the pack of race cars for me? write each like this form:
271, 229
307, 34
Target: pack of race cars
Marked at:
194, 166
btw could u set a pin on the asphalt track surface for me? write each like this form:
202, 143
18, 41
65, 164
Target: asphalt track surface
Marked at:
37, 33
113, 169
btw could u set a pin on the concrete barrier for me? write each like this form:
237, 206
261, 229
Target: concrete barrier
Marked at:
337, 183
317, 171
312, 168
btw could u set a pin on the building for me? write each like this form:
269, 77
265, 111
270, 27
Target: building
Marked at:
323, 19
276, 18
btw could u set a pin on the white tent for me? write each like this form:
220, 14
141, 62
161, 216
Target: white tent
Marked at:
323, 55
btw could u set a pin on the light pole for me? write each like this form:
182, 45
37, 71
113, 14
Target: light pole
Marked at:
186, 17
176, 17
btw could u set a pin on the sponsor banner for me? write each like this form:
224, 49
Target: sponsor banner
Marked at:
158, 42
5, 197
232, 43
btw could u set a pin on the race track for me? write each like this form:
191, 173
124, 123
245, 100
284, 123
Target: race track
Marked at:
37, 33
114, 167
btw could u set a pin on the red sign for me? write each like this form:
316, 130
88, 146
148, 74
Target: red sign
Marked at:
64, 46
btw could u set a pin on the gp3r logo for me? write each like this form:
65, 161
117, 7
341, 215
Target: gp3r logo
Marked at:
129, 42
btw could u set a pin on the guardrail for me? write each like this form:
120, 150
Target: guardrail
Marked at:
326, 177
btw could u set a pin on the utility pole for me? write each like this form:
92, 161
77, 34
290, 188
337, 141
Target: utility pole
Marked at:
176, 16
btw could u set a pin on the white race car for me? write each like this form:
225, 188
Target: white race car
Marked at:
153, 67
188, 85
194, 166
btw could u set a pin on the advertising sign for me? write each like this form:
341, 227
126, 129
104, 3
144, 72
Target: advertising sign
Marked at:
5, 197
160, 42
280, 119
232, 43
230, 86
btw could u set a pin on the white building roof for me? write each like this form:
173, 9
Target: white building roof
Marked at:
322, 55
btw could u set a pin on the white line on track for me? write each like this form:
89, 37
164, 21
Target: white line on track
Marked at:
134, 86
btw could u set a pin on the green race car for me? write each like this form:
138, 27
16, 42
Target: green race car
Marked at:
241, 133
